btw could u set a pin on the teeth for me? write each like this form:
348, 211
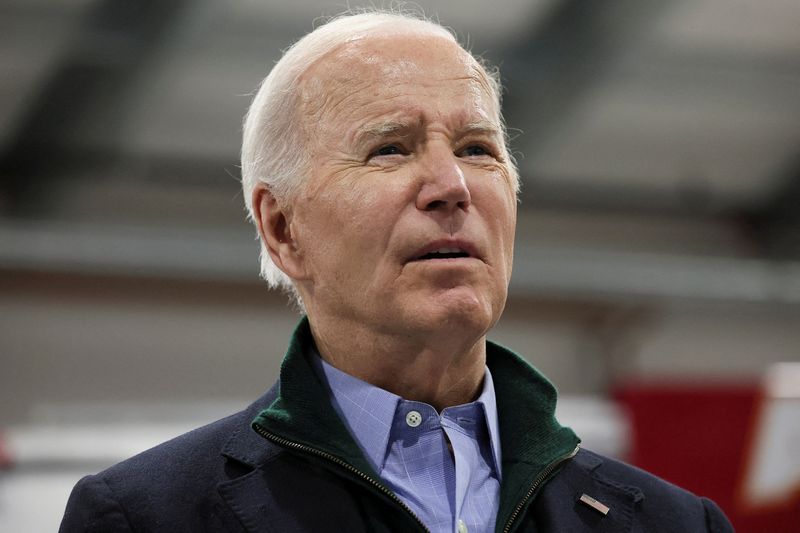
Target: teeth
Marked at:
448, 251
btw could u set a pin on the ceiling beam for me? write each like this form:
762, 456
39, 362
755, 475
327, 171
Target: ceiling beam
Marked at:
89, 85
563, 60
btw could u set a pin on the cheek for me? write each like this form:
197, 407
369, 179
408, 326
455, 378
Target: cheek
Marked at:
354, 224
498, 206
506, 205
497, 199
510, 228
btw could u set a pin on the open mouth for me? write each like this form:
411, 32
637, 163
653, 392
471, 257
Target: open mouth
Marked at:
444, 253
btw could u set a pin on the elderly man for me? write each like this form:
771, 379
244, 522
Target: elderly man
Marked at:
377, 173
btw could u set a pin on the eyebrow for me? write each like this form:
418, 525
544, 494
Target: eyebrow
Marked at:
380, 130
483, 127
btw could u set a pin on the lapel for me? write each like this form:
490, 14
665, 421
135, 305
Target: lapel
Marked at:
286, 493
245, 489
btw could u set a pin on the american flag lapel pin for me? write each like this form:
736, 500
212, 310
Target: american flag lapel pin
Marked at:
594, 504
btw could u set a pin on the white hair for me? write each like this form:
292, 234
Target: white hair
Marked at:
274, 136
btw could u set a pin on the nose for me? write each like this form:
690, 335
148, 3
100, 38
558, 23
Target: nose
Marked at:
443, 185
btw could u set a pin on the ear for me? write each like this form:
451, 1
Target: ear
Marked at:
274, 226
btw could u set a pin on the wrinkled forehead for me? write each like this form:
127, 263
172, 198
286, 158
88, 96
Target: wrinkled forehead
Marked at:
395, 60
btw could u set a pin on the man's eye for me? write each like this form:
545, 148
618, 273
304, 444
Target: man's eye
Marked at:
474, 150
389, 149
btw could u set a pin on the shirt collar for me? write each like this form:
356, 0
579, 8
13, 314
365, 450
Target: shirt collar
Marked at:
489, 403
368, 412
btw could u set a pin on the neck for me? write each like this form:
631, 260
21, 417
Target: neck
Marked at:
434, 368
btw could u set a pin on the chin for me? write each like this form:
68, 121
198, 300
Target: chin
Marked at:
458, 310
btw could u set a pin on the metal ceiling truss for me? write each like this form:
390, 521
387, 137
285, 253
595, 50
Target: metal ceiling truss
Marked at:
90, 83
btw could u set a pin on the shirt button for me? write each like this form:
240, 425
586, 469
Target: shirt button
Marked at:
462, 527
413, 418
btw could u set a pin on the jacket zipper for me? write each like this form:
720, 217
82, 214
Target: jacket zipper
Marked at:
347, 466
536, 482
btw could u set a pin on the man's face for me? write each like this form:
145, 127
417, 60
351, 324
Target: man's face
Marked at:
407, 220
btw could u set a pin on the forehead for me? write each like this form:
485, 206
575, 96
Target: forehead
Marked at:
397, 71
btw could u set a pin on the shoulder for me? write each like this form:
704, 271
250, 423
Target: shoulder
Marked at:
637, 499
177, 478
188, 461
635, 480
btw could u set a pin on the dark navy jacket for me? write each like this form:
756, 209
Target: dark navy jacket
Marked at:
287, 463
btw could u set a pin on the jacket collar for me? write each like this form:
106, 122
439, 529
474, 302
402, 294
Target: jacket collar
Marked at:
300, 411
531, 439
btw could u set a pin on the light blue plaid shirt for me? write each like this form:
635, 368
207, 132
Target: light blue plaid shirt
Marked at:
406, 443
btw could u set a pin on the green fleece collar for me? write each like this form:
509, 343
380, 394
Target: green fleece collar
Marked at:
530, 436
531, 439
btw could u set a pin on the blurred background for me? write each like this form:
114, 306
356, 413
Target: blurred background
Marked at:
657, 271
